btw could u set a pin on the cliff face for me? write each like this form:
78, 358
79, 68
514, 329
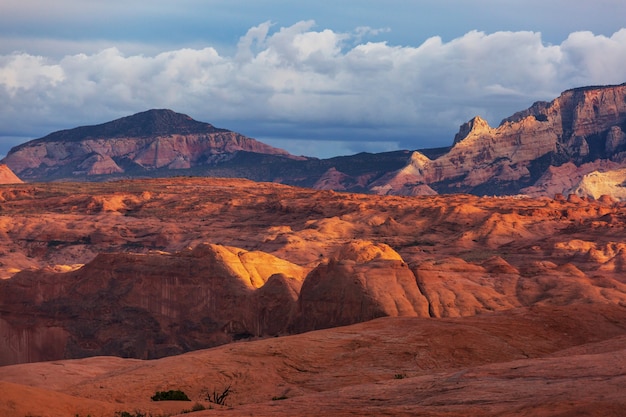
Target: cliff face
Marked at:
580, 126
133, 145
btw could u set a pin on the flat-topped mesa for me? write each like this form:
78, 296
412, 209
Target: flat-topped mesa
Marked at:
155, 122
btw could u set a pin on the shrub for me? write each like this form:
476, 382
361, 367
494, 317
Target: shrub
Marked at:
171, 395
127, 414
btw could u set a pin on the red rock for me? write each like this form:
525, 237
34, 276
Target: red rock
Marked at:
7, 176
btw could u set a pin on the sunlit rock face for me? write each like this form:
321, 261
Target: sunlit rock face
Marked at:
152, 268
7, 176
580, 126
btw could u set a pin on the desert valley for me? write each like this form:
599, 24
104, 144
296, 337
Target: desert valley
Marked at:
483, 279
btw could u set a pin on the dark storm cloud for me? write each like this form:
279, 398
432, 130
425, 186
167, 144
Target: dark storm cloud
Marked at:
310, 87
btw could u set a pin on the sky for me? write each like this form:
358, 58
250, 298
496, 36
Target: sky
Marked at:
317, 78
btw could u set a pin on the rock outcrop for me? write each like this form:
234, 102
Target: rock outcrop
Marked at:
7, 176
581, 126
152, 268
360, 282
143, 306
543, 361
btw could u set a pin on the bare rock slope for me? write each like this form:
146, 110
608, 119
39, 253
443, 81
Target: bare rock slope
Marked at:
543, 361
7, 176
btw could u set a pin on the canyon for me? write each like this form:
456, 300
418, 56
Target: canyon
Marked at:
308, 301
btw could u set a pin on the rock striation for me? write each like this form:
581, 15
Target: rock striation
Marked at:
151, 141
580, 126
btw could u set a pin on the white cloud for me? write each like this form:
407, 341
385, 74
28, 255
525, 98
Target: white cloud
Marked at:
300, 76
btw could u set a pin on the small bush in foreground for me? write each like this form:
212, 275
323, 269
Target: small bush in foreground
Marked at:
127, 414
171, 395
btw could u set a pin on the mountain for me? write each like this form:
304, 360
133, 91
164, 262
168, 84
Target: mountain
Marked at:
581, 133
579, 127
145, 144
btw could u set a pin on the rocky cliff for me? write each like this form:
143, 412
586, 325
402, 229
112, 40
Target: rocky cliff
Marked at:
580, 126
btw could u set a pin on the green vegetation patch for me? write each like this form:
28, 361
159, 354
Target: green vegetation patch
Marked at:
171, 395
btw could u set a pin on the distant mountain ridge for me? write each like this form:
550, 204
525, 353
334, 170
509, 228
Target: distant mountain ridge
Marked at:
584, 126
137, 145
155, 122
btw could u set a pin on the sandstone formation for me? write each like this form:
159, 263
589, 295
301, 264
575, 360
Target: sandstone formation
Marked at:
153, 268
7, 176
451, 305
580, 126
361, 282
542, 361
141, 305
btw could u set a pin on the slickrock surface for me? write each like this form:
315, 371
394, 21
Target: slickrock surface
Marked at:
481, 306
540, 361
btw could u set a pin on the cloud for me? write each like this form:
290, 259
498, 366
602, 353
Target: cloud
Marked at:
282, 81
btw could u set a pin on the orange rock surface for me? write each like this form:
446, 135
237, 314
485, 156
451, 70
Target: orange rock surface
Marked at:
482, 306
